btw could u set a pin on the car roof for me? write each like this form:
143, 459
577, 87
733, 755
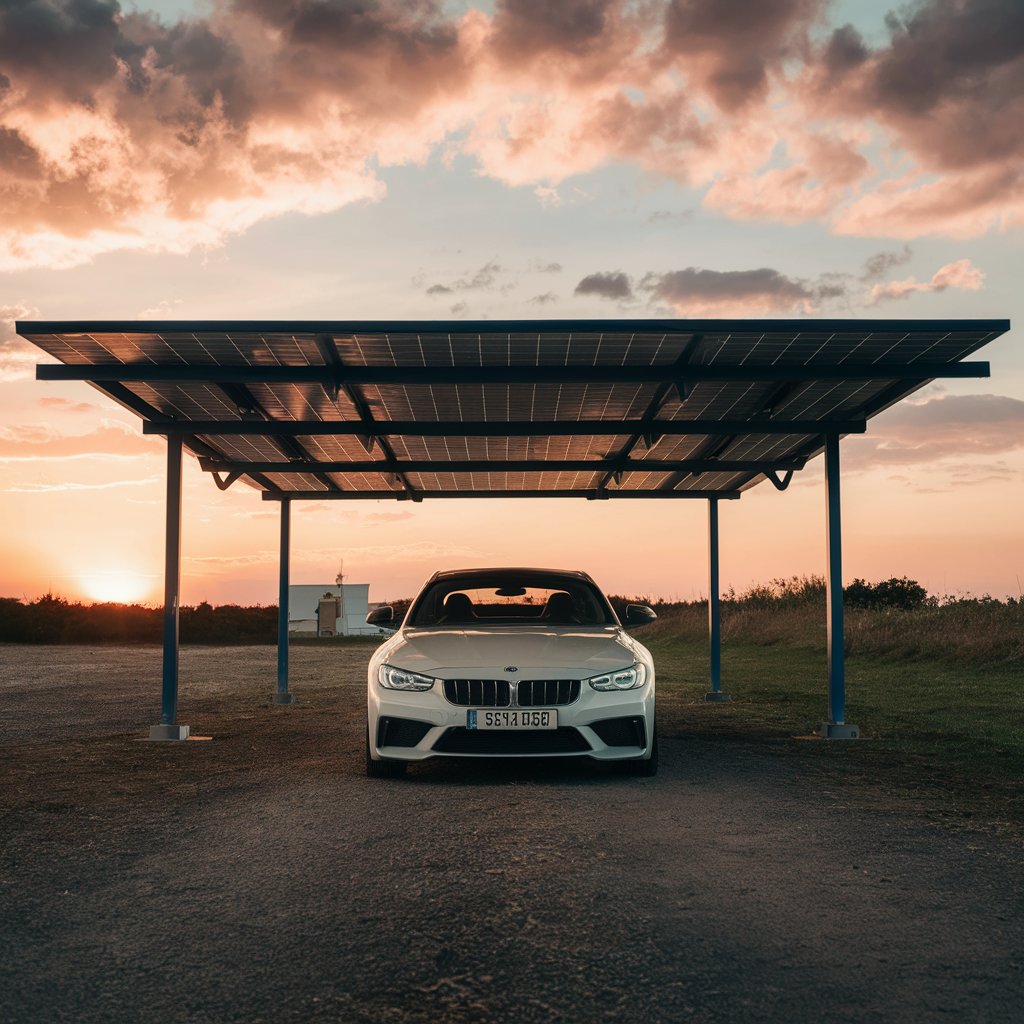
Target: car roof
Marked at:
446, 573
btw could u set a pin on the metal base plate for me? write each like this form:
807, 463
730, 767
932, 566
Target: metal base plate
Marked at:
832, 731
168, 733
717, 697
284, 698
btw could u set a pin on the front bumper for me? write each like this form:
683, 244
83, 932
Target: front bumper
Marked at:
612, 726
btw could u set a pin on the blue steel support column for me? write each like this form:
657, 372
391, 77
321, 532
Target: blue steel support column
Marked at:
714, 615
283, 696
168, 729
836, 726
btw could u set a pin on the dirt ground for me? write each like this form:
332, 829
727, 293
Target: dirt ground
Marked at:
262, 877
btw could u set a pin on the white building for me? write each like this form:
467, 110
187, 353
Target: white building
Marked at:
329, 609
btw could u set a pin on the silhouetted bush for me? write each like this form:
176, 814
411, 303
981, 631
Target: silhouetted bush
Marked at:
902, 593
53, 620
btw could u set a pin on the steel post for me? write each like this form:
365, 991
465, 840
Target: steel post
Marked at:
714, 613
169, 729
836, 726
283, 696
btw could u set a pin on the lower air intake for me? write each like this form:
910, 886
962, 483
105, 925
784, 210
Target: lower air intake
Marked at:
401, 732
621, 732
563, 740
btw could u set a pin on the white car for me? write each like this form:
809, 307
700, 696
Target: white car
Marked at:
510, 663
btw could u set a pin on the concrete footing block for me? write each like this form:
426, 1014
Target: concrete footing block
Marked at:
168, 733
832, 731
284, 698
717, 697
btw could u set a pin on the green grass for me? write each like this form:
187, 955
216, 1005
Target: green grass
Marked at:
945, 730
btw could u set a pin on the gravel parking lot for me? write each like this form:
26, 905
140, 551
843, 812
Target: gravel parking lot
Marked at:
262, 877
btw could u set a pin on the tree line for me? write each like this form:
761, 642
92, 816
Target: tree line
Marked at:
53, 620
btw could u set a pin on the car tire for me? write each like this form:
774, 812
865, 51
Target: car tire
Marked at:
643, 767
383, 769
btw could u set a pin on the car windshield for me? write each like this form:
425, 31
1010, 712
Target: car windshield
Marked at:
511, 598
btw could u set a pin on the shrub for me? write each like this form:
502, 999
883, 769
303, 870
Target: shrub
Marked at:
903, 593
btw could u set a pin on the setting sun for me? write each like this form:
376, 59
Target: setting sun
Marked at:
121, 585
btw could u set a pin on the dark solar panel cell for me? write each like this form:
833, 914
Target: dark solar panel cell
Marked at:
365, 482
247, 447
188, 401
296, 482
335, 448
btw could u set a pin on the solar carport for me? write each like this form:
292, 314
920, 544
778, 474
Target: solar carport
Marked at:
593, 409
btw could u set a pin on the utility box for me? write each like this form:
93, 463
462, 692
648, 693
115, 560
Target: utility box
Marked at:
327, 614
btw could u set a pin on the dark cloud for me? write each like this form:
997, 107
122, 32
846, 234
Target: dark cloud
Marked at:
525, 29
544, 299
735, 44
17, 158
877, 266
485, 278
845, 50
950, 80
670, 216
63, 48
698, 289
606, 285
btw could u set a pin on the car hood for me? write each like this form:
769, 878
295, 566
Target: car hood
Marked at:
535, 651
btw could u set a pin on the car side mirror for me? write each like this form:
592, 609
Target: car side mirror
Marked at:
384, 617
640, 615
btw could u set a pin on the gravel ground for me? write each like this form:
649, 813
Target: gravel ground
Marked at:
262, 877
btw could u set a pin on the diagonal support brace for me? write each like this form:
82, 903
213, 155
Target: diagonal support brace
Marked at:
777, 483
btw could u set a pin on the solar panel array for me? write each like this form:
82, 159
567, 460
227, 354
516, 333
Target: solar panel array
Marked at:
803, 348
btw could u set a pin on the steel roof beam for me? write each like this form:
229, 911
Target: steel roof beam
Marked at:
335, 376
503, 428
655, 407
332, 357
590, 493
511, 466
248, 406
763, 325
127, 398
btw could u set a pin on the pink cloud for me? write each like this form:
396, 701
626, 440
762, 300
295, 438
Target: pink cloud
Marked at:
961, 275
945, 427
39, 442
118, 131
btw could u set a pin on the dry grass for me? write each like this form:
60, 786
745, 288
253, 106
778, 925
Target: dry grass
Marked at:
963, 632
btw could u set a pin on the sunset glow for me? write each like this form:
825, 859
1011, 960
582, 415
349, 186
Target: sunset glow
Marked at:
592, 158
124, 586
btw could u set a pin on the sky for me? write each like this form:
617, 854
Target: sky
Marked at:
346, 159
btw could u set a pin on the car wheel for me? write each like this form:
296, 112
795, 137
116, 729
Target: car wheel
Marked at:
644, 768
382, 769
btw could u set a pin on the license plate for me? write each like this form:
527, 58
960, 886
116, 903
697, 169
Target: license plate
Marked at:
486, 719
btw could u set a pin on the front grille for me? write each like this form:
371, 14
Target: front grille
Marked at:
497, 693
563, 740
547, 693
478, 693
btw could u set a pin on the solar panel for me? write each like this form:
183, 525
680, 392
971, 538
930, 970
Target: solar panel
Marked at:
597, 409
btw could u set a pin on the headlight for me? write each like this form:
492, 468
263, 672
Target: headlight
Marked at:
624, 679
392, 678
